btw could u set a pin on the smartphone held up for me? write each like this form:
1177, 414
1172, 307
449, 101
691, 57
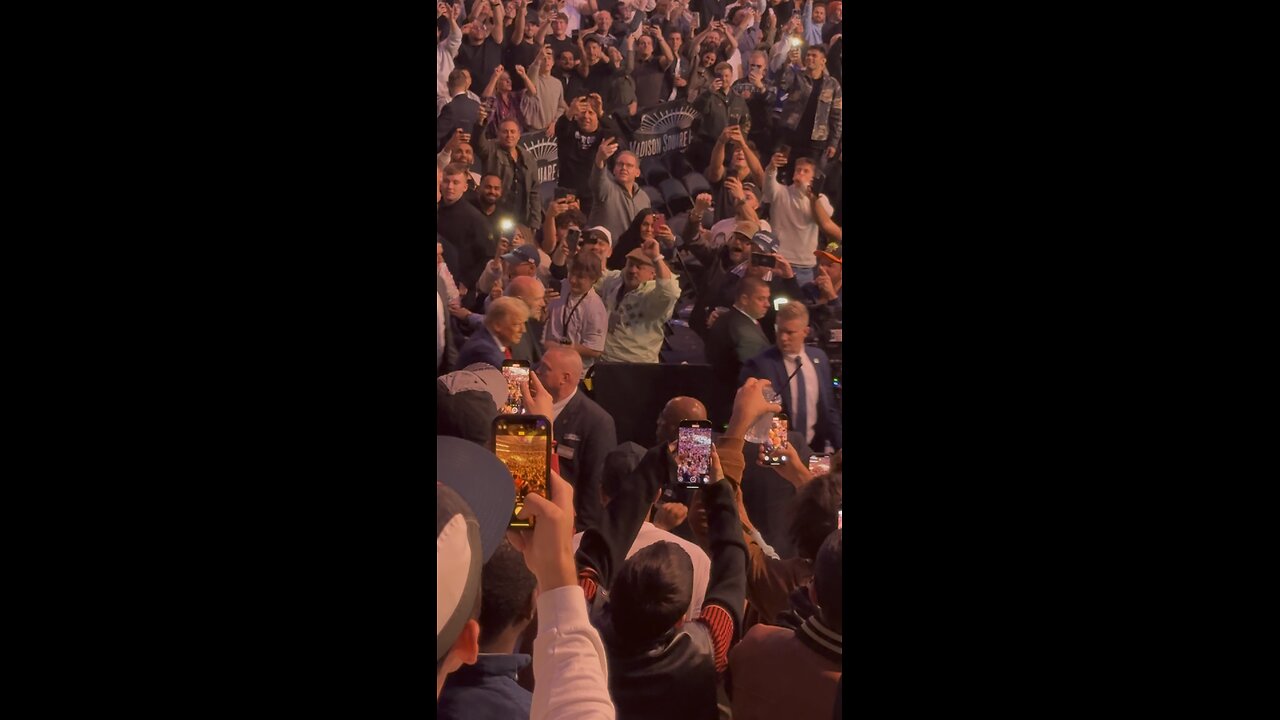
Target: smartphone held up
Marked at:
776, 444
514, 372
523, 444
693, 453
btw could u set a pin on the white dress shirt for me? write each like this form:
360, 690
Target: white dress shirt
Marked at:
650, 534
809, 376
557, 406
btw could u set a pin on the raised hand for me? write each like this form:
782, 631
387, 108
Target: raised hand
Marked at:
783, 267
778, 160
826, 291
734, 186
702, 203
608, 147
520, 71
651, 249
548, 547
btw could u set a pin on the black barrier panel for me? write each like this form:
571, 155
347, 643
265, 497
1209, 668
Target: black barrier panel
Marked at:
667, 128
635, 393
544, 152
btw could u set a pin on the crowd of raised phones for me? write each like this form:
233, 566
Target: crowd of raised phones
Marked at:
634, 595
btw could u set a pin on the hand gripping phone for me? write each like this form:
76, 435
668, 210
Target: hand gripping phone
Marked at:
693, 453
514, 371
776, 446
523, 444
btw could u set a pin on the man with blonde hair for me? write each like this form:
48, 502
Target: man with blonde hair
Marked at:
802, 375
504, 326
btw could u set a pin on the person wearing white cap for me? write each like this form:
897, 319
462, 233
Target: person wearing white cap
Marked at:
474, 498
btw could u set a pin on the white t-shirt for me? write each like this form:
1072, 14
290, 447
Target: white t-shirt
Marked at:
650, 534
792, 215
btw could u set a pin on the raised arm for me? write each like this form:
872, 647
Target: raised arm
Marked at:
584, 64
753, 160
493, 82
665, 56
823, 219
517, 28
715, 168
528, 84
496, 32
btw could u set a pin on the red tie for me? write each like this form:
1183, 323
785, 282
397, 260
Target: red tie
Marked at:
507, 353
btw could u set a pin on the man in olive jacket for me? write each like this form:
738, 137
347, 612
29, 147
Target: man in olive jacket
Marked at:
516, 168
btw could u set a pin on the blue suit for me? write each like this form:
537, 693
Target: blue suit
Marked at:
769, 365
481, 347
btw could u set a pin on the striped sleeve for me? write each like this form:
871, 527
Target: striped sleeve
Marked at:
587, 581
720, 623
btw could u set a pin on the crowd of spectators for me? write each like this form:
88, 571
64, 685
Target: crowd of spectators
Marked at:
635, 595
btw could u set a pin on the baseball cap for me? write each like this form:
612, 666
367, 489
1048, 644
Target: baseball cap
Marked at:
746, 228
831, 252
600, 230
522, 254
765, 241
475, 495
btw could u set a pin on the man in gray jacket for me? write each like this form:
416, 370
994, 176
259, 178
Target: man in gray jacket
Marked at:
617, 197
516, 168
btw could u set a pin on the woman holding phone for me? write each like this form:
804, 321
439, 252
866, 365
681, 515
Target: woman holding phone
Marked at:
648, 224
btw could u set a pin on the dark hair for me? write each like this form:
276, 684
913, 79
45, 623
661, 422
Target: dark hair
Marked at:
620, 463
571, 217
818, 49
813, 516
508, 591
750, 286
651, 593
828, 583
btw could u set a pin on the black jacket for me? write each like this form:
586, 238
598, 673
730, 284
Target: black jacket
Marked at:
733, 340
680, 663
459, 114
585, 434
467, 229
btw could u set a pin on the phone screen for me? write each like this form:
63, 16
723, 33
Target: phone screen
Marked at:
840, 519
693, 453
819, 464
776, 446
837, 334
513, 371
523, 444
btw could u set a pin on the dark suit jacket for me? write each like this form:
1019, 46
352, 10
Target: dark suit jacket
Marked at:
768, 365
480, 348
732, 341
530, 346
460, 113
586, 432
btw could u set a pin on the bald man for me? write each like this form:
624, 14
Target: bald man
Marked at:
671, 511
531, 291
584, 432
